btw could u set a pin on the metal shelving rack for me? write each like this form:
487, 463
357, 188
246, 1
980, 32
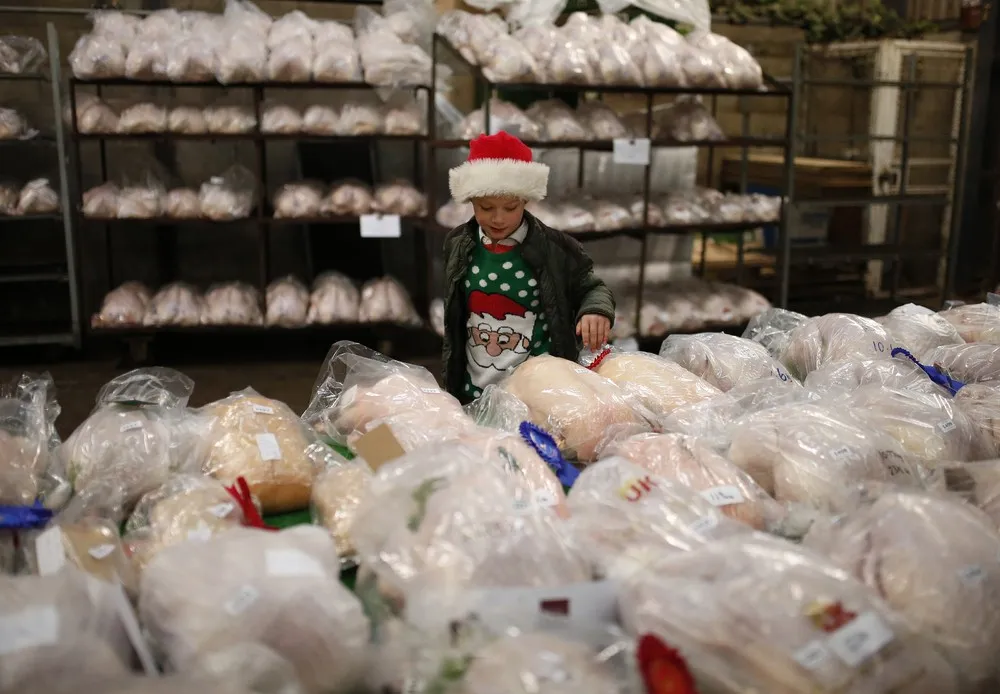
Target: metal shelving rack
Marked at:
63, 272
643, 232
261, 216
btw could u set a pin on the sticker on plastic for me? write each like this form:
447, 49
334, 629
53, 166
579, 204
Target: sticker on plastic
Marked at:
292, 563
267, 445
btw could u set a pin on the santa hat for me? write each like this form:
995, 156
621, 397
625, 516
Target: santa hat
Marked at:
497, 306
499, 165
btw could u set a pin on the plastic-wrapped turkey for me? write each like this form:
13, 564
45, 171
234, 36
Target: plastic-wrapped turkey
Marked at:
503, 116
336, 495
438, 520
570, 62
400, 197
123, 306
739, 68
453, 214
980, 403
294, 200
187, 119
93, 115
141, 200
558, 121
759, 614
143, 118
601, 121
360, 118
231, 303
291, 61
385, 300
320, 119
229, 196
336, 62
388, 62
230, 120
975, 322
25, 460
772, 329
978, 362
919, 329
834, 337
279, 118
844, 377
174, 304
405, 114
8, 199
98, 56
659, 384
935, 561
261, 670
579, 408
37, 197
334, 299
278, 589
687, 120
182, 203
12, 125
287, 302
622, 515
505, 59
723, 360
352, 198
101, 202
243, 56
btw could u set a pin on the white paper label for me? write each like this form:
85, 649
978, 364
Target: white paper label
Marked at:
431, 391
131, 426
292, 563
860, 639
972, 574
840, 453
380, 226
101, 551
50, 551
723, 496
262, 409
703, 525
239, 603
268, 446
30, 628
221, 510
813, 655
134, 632
946, 426
631, 151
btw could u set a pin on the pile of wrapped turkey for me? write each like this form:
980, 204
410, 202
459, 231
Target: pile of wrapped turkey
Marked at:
802, 509
591, 50
244, 44
287, 303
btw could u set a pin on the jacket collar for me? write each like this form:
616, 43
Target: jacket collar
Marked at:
513, 240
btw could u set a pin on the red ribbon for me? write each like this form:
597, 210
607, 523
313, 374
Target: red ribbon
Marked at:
240, 491
663, 669
600, 357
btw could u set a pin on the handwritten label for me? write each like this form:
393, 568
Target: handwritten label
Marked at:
631, 151
126, 614
101, 551
268, 447
50, 551
947, 425
292, 563
723, 496
131, 426
262, 409
703, 525
29, 628
221, 510
973, 574
878, 345
781, 374
380, 226
813, 656
241, 602
840, 453
860, 639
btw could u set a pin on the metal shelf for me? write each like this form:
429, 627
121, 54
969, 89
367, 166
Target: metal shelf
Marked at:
214, 84
12, 219
608, 145
245, 137
671, 230
269, 221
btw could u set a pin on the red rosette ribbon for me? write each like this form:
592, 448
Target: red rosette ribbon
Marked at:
240, 491
599, 358
663, 669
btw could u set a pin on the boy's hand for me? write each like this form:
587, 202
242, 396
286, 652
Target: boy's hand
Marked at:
594, 330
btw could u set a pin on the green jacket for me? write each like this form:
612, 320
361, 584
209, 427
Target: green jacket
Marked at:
565, 274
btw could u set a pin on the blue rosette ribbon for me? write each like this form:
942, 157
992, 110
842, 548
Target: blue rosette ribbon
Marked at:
24, 517
936, 375
547, 450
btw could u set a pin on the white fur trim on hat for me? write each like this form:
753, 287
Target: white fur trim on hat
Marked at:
482, 178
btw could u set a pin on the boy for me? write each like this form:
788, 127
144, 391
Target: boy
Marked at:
515, 287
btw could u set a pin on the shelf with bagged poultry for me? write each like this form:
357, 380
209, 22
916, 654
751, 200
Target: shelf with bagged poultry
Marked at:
215, 84
243, 137
413, 221
608, 145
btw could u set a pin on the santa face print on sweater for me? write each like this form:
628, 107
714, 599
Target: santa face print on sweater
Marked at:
506, 322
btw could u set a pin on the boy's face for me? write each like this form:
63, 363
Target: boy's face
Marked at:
498, 217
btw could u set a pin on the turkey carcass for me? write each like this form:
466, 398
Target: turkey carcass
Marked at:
279, 118
759, 614
975, 322
688, 462
919, 329
37, 197
174, 304
578, 407
337, 62
978, 362
723, 360
772, 329
336, 496
844, 377
402, 198
287, 302
187, 119
143, 118
334, 299
321, 120
980, 403
181, 203
834, 337
24, 454
659, 384
281, 590
94, 116
621, 516
349, 198
384, 300
123, 306
228, 197
935, 561
230, 120
232, 303
264, 442
298, 200
360, 118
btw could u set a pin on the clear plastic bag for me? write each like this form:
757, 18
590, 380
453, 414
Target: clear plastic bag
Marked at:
21, 54
143, 118
348, 198
834, 337
385, 300
747, 612
186, 508
337, 62
147, 56
141, 197
388, 62
687, 120
839, 378
280, 118
320, 119
972, 363
187, 119
123, 306
336, 495
287, 302
557, 120
8, 199
254, 666
334, 299
600, 121
243, 56
540, 40
740, 69
291, 61
176, 303
101, 202
263, 441
181, 203
919, 329
280, 590
231, 303
980, 402
295, 26
229, 196
28, 470
226, 119
570, 61
503, 116
298, 200
723, 360
192, 58
405, 114
360, 117
37, 197
576, 406
935, 561
975, 322
504, 59
772, 329
98, 56
400, 197
93, 115
330, 32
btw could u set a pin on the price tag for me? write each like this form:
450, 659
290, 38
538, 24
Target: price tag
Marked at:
292, 563
840, 453
703, 525
101, 551
380, 226
239, 603
221, 510
723, 496
263, 409
268, 447
50, 551
860, 639
131, 426
813, 656
431, 391
946, 426
29, 628
126, 613
631, 151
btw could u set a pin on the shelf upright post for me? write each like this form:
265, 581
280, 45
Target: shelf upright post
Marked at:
784, 235
55, 82
904, 168
644, 236
744, 173
263, 229
957, 185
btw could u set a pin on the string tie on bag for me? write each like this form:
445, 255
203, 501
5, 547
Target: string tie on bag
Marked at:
546, 448
600, 358
240, 491
24, 517
934, 373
